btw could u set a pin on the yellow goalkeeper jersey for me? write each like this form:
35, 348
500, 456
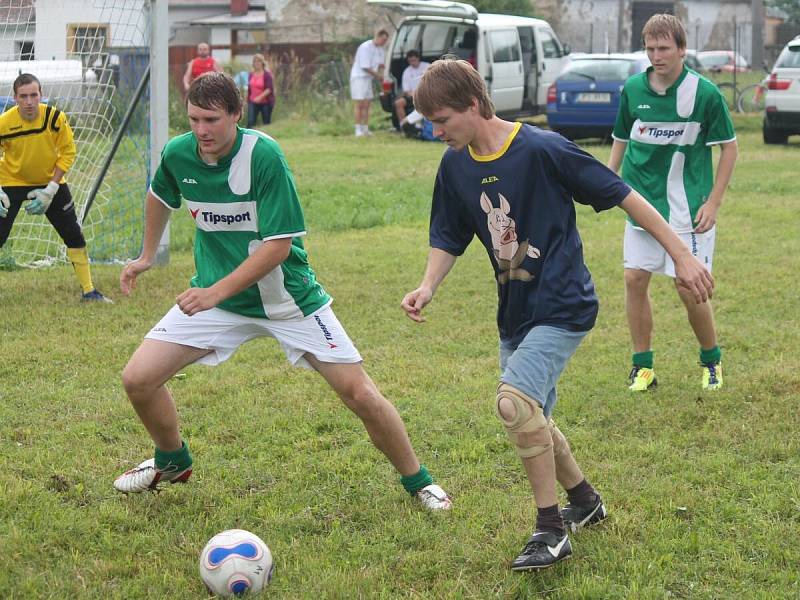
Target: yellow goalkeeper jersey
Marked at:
33, 149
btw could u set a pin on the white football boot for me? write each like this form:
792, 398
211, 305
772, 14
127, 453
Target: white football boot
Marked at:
433, 497
146, 477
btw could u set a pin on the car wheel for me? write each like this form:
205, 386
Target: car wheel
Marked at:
772, 136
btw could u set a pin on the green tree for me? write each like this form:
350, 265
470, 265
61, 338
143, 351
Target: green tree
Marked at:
790, 7
523, 8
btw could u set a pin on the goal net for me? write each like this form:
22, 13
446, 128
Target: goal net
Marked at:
91, 57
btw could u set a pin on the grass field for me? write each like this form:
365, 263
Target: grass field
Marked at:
702, 488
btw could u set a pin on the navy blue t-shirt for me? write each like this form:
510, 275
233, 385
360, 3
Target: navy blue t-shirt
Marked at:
519, 203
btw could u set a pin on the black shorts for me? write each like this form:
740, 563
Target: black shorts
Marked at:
61, 214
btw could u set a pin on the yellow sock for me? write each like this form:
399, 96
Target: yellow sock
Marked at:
79, 258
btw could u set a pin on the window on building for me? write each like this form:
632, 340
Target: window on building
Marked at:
87, 41
24, 50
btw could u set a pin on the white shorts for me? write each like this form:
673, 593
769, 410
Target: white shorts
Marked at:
361, 88
641, 250
223, 332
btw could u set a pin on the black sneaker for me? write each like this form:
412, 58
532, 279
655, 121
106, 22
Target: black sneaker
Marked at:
542, 550
576, 517
96, 296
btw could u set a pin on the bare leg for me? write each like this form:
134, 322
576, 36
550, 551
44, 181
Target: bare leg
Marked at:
541, 472
400, 108
568, 472
362, 117
381, 419
638, 309
701, 318
144, 379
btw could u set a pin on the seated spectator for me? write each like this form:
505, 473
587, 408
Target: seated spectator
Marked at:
466, 48
418, 127
411, 74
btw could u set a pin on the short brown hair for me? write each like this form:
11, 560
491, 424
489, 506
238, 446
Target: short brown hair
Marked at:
25, 79
214, 90
452, 83
665, 26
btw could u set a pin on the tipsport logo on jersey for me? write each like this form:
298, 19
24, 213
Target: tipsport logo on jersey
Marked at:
663, 133
230, 216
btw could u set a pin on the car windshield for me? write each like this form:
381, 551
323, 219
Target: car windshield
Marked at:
789, 58
603, 69
715, 60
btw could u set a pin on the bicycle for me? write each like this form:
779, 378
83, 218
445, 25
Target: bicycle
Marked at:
748, 99
752, 98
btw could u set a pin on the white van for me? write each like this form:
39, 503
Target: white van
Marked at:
64, 82
519, 57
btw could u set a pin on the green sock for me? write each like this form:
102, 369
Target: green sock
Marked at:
711, 356
180, 458
643, 359
414, 483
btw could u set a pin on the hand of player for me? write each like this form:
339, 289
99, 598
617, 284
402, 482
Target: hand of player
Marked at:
706, 217
41, 198
127, 278
693, 277
4, 204
195, 300
415, 301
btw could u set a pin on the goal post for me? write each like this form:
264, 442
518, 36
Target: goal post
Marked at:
91, 57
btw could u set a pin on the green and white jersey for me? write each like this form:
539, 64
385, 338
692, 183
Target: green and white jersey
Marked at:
247, 198
668, 158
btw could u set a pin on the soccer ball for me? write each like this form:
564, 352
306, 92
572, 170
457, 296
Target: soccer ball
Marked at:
234, 562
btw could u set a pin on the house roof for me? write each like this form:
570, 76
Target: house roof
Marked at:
254, 19
776, 13
210, 3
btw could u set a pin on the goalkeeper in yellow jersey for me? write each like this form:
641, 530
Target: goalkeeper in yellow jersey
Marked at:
38, 149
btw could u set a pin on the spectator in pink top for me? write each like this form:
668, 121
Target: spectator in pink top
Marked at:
260, 93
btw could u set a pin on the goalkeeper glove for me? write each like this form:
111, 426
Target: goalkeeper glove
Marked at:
4, 203
40, 199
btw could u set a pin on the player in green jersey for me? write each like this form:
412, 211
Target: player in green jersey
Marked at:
669, 118
253, 279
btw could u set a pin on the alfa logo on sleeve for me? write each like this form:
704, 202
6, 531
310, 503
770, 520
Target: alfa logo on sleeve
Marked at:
228, 216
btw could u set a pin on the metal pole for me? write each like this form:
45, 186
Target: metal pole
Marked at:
735, 54
620, 20
758, 17
159, 99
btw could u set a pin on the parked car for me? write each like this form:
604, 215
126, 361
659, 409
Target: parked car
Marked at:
519, 57
583, 100
723, 61
691, 61
782, 101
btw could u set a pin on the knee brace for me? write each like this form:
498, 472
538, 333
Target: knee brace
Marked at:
560, 443
527, 427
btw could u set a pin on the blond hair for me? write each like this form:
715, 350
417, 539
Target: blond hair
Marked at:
452, 83
259, 56
665, 26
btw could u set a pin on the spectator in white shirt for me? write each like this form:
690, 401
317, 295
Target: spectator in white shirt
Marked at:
367, 65
411, 74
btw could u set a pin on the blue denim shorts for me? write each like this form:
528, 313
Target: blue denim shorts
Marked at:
535, 365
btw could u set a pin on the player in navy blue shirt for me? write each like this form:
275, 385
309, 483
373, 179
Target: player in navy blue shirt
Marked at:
514, 186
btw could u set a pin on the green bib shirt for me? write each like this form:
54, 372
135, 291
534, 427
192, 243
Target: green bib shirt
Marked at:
669, 138
247, 198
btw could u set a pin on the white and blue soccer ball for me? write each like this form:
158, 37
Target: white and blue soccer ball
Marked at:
235, 562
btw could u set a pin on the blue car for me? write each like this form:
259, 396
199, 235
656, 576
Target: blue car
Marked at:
583, 100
